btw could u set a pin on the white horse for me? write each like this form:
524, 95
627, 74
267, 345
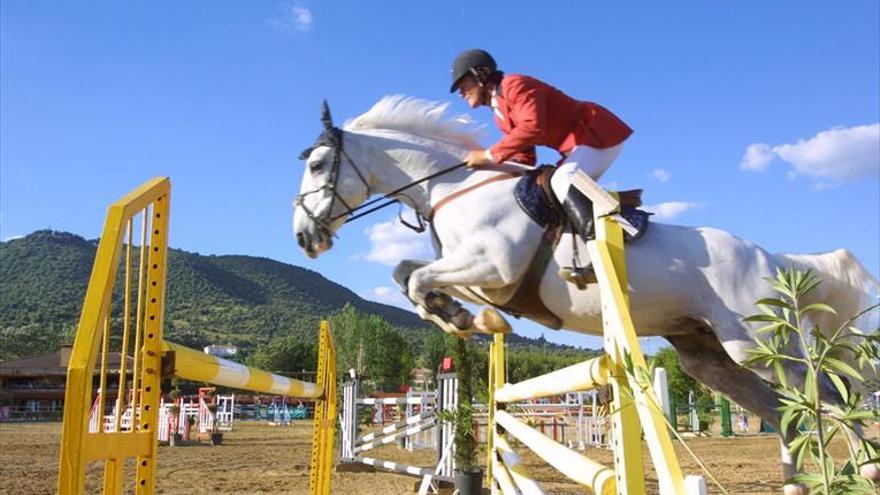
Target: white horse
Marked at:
692, 286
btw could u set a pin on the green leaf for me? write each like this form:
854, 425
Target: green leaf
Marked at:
840, 386
768, 318
769, 301
780, 374
799, 448
787, 416
768, 328
808, 285
809, 385
818, 307
838, 365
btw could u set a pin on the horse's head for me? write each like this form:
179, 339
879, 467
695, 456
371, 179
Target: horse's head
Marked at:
331, 187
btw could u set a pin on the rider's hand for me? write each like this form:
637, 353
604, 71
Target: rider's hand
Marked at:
478, 157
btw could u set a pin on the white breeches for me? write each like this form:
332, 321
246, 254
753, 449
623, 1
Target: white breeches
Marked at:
594, 162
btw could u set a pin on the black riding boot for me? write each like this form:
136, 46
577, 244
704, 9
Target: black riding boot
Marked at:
579, 210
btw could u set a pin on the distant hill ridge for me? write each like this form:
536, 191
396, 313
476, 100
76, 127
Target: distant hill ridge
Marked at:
228, 299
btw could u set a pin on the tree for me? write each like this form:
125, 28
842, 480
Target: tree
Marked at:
434, 350
821, 354
680, 384
285, 355
388, 357
367, 344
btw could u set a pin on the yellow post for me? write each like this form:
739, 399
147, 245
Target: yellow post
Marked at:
79, 446
325, 416
496, 347
150, 381
626, 438
607, 255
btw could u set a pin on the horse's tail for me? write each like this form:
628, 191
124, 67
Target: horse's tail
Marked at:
847, 286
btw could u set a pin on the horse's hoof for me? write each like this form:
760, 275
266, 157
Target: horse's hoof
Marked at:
795, 489
463, 319
489, 320
444, 325
871, 471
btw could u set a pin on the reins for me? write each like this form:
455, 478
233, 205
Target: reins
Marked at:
389, 196
332, 137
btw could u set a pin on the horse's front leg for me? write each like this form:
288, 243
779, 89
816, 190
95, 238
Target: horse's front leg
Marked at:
428, 286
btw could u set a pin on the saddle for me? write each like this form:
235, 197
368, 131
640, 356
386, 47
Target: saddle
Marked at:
535, 197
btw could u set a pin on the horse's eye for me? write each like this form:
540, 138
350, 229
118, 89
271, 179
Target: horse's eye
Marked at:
316, 166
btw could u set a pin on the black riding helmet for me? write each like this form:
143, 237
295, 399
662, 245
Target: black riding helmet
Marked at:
466, 63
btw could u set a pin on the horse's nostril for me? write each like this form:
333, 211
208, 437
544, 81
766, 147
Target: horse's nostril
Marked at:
301, 239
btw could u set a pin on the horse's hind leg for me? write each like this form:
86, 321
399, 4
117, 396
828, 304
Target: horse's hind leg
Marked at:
704, 358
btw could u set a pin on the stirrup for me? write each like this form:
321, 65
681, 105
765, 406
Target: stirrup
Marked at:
579, 276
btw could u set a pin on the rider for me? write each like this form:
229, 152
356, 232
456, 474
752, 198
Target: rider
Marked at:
530, 112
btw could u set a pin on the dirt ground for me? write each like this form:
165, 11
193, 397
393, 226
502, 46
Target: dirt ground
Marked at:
262, 459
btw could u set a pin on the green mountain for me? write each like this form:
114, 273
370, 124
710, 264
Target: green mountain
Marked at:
238, 300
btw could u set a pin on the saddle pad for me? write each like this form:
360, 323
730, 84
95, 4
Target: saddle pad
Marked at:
534, 199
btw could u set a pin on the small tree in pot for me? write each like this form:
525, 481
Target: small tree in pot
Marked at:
174, 417
216, 436
468, 474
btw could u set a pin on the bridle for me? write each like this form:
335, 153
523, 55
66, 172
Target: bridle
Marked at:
332, 138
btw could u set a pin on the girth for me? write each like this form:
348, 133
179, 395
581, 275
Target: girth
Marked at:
526, 299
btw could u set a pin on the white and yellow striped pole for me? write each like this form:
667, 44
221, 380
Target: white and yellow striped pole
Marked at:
579, 377
196, 366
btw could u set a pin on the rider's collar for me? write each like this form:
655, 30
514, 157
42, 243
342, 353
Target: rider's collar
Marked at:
493, 101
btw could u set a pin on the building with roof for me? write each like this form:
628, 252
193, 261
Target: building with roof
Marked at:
223, 351
32, 388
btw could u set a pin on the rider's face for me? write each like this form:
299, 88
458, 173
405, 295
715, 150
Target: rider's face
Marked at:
471, 91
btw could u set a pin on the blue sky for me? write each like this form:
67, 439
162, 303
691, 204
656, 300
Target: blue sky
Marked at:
760, 118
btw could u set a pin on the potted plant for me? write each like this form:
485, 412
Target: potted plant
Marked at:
216, 436
174, 417
190, 422
468, 473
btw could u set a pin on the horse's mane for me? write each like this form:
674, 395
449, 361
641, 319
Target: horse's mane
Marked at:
424, 118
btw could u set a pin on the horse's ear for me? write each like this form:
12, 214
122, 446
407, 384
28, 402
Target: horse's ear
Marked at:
326, 119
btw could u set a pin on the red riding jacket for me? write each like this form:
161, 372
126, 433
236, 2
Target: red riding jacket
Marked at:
535, 113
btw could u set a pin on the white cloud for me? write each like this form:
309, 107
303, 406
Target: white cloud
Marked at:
661, 174
389, 295
391, 242
757, 157
13, 237
292, 17
837, 155
669, 210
